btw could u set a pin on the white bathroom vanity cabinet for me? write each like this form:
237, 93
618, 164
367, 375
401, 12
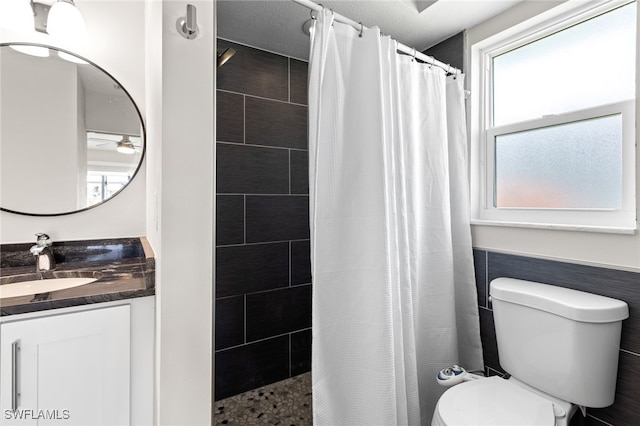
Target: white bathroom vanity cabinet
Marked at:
87, 365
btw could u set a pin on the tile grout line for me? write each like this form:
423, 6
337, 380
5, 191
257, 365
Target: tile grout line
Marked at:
289, 79
290, 263
290, 354
269, 290
244, 296
629, 352
254, 145
289, 152
261, 340
261, 242
260, 49
263, 98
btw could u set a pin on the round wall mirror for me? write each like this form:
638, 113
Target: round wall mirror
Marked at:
71, 137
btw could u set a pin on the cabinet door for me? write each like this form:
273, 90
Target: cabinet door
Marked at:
72, 369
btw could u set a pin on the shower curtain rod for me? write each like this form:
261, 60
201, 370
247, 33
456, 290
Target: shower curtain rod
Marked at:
401, 47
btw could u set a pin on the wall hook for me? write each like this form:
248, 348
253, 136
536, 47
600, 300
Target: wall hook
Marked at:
187, 26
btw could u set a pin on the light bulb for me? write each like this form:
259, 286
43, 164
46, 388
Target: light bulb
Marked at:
123, 149
39, 51
16, 16
125, 146
65, 22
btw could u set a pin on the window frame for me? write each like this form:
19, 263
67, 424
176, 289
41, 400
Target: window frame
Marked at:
483, 136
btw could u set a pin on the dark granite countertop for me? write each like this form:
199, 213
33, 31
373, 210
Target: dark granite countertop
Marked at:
124, 268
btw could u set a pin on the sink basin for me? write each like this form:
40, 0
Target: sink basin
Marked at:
25, 288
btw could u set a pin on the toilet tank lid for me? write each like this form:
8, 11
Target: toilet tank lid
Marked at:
571, 304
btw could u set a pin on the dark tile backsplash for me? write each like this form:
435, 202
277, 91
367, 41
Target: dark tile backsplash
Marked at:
300, 355
626, 409
276, 312
254, 72
299, 172
251, 366
242, 269
619, 284
275, 123
229, 322
263, 272
300, 262
250, 169
480, 266
298, 80
623, 285
229, 117
277, 218
229, 219
449, 51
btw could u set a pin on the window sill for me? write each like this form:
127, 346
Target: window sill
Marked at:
556, 227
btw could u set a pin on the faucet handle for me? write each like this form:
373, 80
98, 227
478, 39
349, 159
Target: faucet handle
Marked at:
43, 239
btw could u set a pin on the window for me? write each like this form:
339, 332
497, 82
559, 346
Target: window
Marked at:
102, 185
557, 126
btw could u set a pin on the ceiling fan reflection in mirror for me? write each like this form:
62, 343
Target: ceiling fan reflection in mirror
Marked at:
124, 144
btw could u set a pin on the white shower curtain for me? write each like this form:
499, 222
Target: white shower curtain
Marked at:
394, 297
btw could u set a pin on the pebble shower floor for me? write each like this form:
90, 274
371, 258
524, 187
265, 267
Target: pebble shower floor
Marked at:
285, 403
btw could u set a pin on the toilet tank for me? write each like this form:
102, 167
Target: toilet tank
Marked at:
563, 342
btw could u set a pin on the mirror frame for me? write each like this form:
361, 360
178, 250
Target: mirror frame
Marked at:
143, 137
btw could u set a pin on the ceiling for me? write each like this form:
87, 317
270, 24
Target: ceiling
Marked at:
276, 25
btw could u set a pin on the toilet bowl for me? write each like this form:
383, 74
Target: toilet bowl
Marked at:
494, 401
560, 347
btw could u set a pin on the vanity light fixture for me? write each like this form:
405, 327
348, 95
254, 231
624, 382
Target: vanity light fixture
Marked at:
125, 146
61, 19
65, 22
16, 16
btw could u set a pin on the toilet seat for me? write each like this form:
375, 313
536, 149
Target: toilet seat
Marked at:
492, 402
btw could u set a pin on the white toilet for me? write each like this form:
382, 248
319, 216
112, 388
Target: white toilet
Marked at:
560, 347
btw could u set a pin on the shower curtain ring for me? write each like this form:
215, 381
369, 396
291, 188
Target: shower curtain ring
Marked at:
311, 12
414, 54
361, 28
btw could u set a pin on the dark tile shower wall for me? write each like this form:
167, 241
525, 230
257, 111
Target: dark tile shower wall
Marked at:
623, 285
263, 273
449, 51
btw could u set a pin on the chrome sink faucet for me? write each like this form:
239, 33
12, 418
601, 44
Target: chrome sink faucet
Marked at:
43, 253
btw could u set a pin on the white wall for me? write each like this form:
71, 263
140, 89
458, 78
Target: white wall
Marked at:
605, 249
180, 196
122, 54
